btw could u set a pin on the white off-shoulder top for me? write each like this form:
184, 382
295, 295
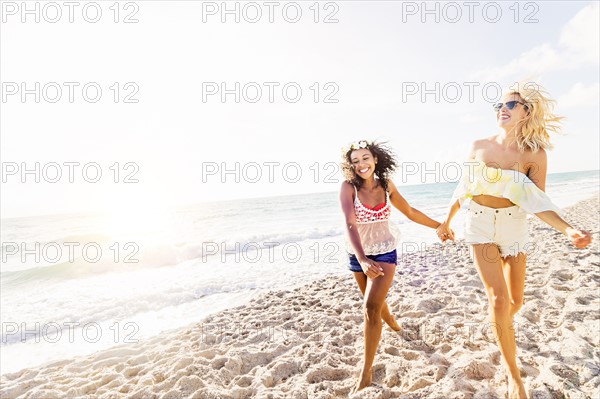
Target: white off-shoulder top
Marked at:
478, 179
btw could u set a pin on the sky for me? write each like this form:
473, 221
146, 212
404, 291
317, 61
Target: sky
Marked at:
195, 106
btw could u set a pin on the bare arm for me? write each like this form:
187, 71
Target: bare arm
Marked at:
347, 203
444, 231
537, 174
413, 214
452, 211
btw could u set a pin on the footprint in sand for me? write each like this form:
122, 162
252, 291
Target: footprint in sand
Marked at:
562, 275
477, 370
540, 293
532, 315
327, 374
430, 305
392, 350
410, 355
420, 383
536, 282
529, 369
561, 287
565, 372
552, 319
243, 381
584, 300
579, 316
284, 370
189, 384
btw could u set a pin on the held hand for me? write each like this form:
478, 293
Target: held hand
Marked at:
371, 268
444, 232
579, 238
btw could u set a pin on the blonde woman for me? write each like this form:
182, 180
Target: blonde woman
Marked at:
505, 179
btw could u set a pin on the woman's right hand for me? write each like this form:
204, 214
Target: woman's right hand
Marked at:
444, 232
370, 268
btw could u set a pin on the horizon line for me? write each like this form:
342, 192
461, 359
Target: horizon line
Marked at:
189, 204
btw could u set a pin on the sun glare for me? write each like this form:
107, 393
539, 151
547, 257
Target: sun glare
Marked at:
139, 218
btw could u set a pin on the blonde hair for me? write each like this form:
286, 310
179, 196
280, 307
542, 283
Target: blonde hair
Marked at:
532, 132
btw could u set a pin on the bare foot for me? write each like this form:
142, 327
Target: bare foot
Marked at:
516, 389
393, 324
363, 382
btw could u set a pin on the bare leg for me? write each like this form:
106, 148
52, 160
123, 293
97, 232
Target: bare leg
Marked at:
361, 280
490, 267
374, 300
514, 275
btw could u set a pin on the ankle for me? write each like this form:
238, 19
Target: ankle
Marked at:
515, 377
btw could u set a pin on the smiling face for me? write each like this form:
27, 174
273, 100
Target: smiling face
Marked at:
508, 118
363, 163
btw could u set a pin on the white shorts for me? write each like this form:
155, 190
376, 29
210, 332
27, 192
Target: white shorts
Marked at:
505, 227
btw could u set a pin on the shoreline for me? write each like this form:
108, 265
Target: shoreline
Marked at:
306, 342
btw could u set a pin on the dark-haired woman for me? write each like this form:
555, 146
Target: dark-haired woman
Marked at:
366, 197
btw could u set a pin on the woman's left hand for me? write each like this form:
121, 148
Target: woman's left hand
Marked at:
579, 238
444, 232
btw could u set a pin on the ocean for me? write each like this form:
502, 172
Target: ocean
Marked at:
75, 284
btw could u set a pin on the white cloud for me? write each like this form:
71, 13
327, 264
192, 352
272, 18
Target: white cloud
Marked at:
581, 95
578, 45
581, 36
533, 62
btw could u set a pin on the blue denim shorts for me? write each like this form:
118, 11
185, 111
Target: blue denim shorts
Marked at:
388, 257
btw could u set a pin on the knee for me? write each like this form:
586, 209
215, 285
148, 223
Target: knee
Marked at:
515, 305
373, 310
499, 304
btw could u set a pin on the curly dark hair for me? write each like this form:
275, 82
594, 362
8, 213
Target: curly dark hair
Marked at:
385, 167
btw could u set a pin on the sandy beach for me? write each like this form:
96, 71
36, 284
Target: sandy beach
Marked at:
307, 342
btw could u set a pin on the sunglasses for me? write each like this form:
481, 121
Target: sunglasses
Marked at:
509, 105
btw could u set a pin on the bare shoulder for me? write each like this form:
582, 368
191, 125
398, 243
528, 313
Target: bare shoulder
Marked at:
391, 187
480, 144
537, 160
540, 155
346, 187
487, 141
